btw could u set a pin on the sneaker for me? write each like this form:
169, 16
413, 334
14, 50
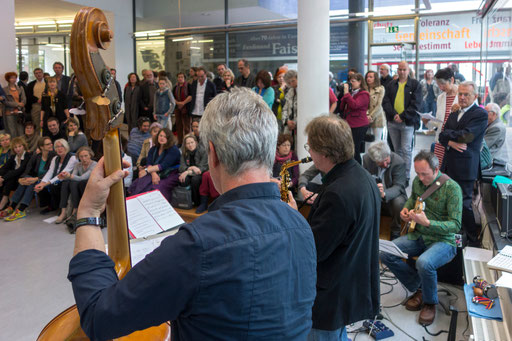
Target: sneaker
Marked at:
16, 215
7, 212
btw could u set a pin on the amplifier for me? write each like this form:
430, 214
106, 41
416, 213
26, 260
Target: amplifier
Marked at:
503, 205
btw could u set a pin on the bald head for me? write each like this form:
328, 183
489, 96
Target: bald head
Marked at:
403, 71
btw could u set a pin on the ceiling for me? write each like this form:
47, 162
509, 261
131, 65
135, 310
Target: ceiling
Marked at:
30, 10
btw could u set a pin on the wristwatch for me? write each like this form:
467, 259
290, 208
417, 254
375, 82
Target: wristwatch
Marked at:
96, 221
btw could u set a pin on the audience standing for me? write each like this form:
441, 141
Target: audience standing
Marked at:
430, 91
385, 75
229, 81
164, 103
202, 92
219, 79
263, 87
290, 108
246, 78
284, 154
14, 103
376, 116
182, 97
131, 100
54, 104
35, 91
147, 92
401, 104
280, 90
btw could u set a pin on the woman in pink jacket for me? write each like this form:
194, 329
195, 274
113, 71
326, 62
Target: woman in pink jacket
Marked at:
354, 106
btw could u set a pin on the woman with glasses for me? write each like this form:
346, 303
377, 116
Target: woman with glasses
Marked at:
52, 180
37, 167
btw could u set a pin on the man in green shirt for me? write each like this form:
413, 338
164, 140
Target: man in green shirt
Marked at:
433, 240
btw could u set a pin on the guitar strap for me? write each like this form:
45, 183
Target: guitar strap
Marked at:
434, 187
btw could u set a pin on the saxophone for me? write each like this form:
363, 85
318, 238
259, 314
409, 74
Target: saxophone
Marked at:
285, 176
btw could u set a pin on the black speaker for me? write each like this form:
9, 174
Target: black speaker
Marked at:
502, 202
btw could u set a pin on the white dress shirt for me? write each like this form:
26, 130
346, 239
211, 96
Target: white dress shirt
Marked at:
199, 104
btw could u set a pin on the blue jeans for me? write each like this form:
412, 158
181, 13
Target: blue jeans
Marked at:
24, 194
163, 120
401, 137
430, 258
328, 335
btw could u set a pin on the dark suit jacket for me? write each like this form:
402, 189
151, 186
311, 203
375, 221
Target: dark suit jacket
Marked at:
471, 127
412, 102
345, 223
394, 176
33, 165
209, 93
146, 97
249, 83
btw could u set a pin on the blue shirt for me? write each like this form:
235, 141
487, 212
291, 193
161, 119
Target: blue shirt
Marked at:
244, 271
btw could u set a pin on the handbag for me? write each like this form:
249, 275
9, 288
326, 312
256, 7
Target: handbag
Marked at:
369, 137
181, 197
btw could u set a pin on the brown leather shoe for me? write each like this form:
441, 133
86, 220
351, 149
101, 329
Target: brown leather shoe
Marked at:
427, 314
414, 302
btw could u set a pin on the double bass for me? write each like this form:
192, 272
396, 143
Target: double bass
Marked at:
90, 33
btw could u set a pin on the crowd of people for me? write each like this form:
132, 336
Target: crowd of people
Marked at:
190, 136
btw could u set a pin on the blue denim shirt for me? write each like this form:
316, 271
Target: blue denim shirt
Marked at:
244, 271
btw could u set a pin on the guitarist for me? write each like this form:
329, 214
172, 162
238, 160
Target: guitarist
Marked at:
433, 240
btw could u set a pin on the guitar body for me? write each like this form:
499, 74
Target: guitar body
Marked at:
89, 33
411, 226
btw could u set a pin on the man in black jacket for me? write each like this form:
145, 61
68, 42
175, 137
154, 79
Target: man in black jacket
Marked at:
462, 137
388, 169
147, 95
35, 90
202, 91
63, 81
385, 77
401, 103
345, 223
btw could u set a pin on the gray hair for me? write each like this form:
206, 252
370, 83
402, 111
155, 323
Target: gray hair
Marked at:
386, 66
289, 75
242, 129
64, 143
431, 158
471, 84
494, 108
379, 151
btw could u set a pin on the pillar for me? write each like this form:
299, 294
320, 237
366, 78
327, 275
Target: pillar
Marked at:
356, 37
8, 56
313, 66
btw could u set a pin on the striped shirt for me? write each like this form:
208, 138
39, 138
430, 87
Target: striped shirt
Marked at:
439, 149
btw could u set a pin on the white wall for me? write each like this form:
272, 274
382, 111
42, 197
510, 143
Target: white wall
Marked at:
8, 54
120, 19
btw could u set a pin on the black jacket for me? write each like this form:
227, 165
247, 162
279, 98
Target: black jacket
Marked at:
146, 97
209, 93
33, 165
9, 173
470, 130
345, 223
412, 102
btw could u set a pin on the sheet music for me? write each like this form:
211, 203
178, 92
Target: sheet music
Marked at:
141, 247
150, 213
503, 260
390, 247
428, 116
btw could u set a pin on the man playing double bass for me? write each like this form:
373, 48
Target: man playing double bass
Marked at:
244, 271
433, 239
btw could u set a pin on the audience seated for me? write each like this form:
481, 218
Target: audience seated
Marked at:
127, 181
154, 128
54, 129
207, 191
433, 239
388, 169
307, 186
37, 167
137, 137
193, 163
496, 133
76, 139
161, 171
74, 182
62, 163
285, 154
30, 136
12, 170
5, 148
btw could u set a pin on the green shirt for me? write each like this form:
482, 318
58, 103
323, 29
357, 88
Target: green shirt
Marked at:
443, 209
400, 98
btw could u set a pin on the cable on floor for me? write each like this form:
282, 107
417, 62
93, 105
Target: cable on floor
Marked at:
435, 334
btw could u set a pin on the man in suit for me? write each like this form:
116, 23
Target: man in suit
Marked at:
388, 169
345, 222
202, 91
147, 95
63, 81
401, 103
462, 137
246, 78
496, 133
34, 94
219, 80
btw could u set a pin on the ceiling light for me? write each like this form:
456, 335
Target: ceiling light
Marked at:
54, 45
35, 23
46, 26
149, 33
195, 47
24, 27
67, 21
182, 39
206, 41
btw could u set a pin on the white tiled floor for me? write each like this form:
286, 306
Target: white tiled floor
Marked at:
34, 260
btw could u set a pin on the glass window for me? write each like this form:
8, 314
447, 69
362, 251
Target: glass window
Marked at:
150, 55
250, 11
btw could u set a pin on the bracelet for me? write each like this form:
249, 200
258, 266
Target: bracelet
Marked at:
96, 221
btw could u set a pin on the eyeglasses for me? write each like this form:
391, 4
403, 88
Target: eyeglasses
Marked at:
307, 147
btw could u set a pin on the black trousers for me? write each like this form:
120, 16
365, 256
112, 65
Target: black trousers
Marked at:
358, 135
194, 182
469, 225
77, 190
392, 209
10, 184
55, 195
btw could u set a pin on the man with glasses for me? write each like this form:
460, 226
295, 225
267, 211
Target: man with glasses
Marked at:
496, 133
202, 91
344, 219
462, 137
246, 78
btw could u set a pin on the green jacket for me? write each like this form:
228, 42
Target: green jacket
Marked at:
444, 210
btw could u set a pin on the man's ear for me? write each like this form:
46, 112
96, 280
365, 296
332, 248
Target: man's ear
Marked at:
213, 155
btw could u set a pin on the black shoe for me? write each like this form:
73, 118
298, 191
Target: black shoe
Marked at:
203, 206
46, 210
394, 235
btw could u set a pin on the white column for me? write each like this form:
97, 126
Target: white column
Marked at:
313, 65
8, 54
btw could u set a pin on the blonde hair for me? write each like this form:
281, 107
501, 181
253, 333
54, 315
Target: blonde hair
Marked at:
19, 140
184, 149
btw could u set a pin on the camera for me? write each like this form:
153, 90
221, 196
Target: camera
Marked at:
378, 180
